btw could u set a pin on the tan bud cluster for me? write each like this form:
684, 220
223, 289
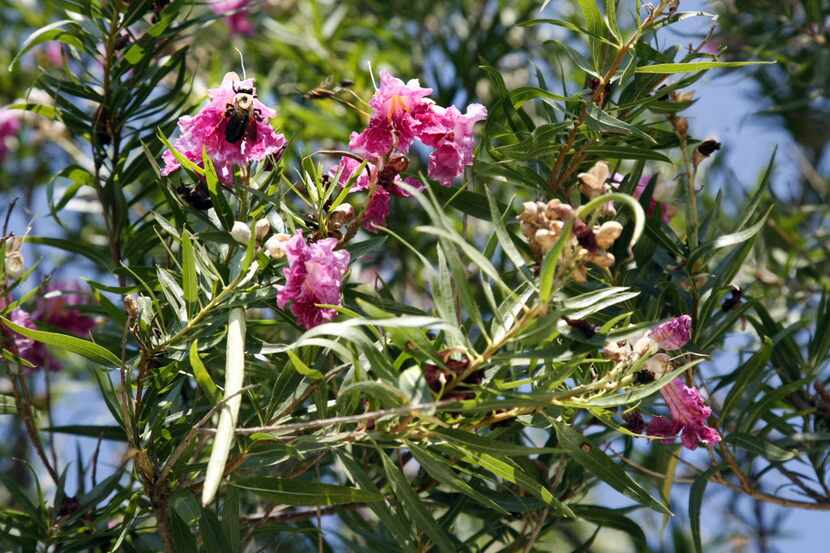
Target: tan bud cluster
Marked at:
542, 225
543, 222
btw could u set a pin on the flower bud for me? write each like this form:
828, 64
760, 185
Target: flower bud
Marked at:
262, 228
608, 233
14, 261
132, 307
592, 183
659, 364
241, 232
545, 239
342, 214
681, 126
275, 245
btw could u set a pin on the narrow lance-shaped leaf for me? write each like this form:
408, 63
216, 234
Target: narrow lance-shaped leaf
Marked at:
85, 348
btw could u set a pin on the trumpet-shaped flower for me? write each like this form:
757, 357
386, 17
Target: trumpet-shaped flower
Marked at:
688, 417
9, 127
399, 112
237, 12
673, 334
26, 348
57, 308
207, 129
314, 276
450, 132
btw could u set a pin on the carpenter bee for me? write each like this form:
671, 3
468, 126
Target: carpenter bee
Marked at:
239, 115
197, 197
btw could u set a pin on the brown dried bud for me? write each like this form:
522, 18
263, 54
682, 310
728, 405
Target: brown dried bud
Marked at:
704, 150
132, 307
681, 126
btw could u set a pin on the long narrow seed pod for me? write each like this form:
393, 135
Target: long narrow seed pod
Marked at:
234, 376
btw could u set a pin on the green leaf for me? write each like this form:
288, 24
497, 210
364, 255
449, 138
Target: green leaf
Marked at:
84, 348
415, 507
508, 470
587, 454
547, 276
695, 501
302, 368
201, 374
439, 468
114, 433
613, 518
212, 536
606, 121
760, 446
190, 284
298, 492
183, 539
66, 31
394, 522
748, 374
668, 68
490, 445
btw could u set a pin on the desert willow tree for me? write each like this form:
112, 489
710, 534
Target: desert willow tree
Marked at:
550, 331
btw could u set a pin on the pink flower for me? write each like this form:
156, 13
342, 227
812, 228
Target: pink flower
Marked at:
451, 134
237, 12
688, 417
54, 52
347, 167
666, 211
314, 276
26, 348
207, 129
9, 128
378, 209
673, 334
57, 308
380, 201
399, 111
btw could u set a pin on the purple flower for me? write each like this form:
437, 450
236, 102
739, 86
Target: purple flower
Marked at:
688, 417
9, 128
26, 348
207, 129
673, 334
451, 134
666, 211
399, 111
314, 276
237, 12
57, 308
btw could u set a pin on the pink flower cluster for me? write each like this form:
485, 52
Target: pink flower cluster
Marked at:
314, 276
9, 127
237, 12
689, 415
401, 114
207, 129
57, 308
